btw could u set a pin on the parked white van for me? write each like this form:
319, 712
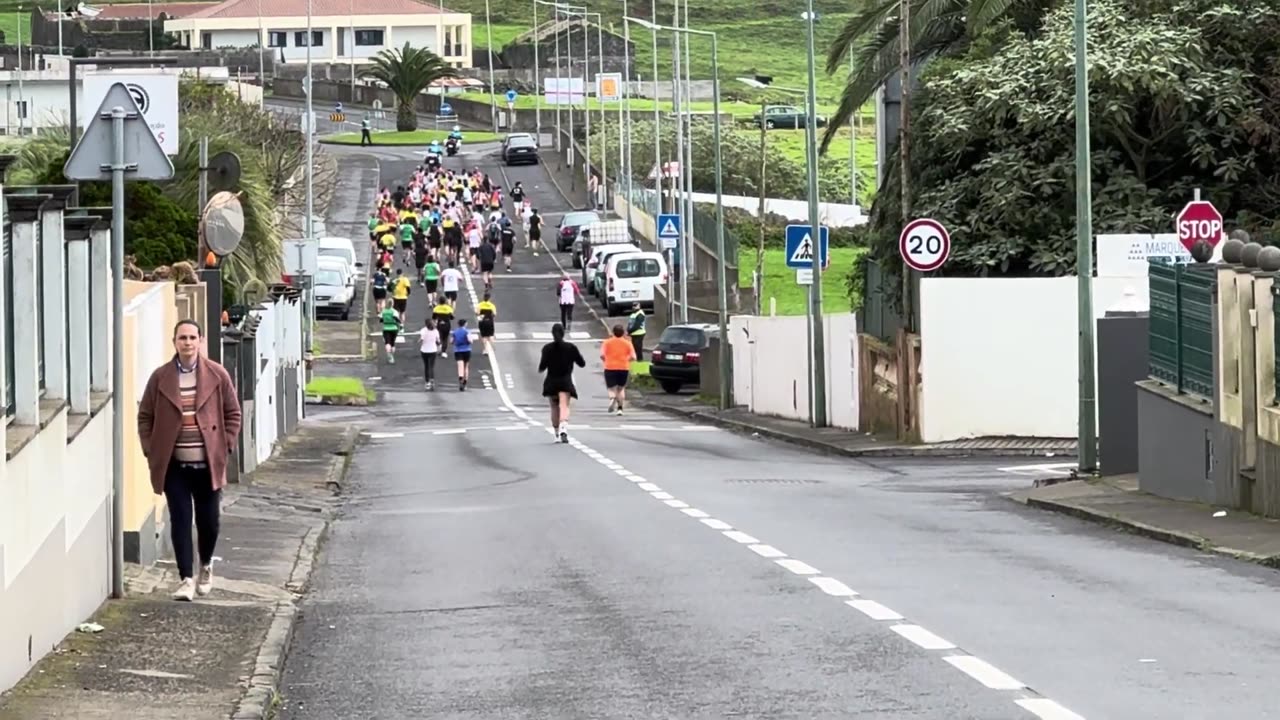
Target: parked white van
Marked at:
343, 248
594, 264
632, 278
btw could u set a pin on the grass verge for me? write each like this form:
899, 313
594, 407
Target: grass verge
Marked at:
780, 281
339, 388
413, 137
640, 379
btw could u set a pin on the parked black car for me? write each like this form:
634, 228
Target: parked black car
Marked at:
572, 222
520, 149
676, 360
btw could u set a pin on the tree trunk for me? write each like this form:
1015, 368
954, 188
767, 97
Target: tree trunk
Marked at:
406, 116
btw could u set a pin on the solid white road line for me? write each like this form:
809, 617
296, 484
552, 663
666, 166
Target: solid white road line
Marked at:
1047, 709
984, 672
923, 638
741, 537
832, 586
767, 551
452, 431
797, 567
873, 609
384, 435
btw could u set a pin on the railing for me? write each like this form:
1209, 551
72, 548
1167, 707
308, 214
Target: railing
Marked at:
1180, 335
703, 225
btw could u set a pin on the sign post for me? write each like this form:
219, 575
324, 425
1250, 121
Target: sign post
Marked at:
118, 140
924, 245
1199, 220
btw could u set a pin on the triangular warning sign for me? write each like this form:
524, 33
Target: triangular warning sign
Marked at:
804, 251
669, 230
91, 157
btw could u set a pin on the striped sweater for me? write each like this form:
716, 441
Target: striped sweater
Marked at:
190, 445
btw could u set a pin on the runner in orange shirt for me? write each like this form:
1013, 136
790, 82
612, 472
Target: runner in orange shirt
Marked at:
617, 353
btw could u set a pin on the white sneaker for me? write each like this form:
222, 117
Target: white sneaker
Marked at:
204, 581
186, 590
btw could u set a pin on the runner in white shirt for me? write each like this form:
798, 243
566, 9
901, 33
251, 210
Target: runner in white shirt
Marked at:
567, 293
450, 279
429, 347
474, 238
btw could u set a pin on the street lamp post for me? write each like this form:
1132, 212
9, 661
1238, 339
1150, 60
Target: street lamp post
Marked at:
310, 201
1084, 247
537, 80
818, 378
493, 90
726, 367
624, 147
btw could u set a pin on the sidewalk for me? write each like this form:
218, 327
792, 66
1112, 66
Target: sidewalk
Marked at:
218, 657
1119, 503
849, 443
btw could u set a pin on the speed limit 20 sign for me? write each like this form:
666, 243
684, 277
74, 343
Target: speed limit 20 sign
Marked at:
924, 244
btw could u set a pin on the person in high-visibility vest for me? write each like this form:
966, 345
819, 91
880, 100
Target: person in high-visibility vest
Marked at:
635, 328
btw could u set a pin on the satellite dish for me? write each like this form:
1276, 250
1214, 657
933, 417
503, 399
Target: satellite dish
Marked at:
224, 171
223, 223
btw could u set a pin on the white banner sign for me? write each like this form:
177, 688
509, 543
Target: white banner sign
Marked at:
155, 92
1127, 255
564, 91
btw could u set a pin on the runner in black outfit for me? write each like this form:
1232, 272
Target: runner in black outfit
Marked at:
558, 359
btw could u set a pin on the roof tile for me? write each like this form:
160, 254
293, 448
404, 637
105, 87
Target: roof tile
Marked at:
319, 8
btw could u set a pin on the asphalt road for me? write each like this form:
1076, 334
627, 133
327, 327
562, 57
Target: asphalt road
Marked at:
656, 570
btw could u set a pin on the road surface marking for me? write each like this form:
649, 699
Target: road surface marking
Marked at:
976, 668
1047, 709
626, 426
767, 551
451, 431
797, 567
832, 586
649, 487
984, 672
384, 435
922, 637
873, 609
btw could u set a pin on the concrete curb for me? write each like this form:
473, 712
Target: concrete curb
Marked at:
260, 699
1173, 537
872, 452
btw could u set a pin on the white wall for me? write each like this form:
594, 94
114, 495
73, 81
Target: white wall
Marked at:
999, 355
830, 214
231, 39
770, 371
417, 36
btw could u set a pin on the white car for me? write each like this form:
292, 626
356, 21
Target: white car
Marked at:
598, 255
632, 277
343, 249
334, 294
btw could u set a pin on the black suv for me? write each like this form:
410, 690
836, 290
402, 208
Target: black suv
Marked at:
676, 360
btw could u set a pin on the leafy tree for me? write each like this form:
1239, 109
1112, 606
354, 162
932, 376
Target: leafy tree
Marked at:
407, 72
938, 27
1182, 96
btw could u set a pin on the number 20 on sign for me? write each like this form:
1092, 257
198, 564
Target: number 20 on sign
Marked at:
924, 245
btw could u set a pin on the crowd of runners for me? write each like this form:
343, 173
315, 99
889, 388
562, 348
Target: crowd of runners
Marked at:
430, 221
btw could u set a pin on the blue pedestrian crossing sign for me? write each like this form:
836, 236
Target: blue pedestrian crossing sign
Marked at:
669, 231
800, 246
511, 97
446, 109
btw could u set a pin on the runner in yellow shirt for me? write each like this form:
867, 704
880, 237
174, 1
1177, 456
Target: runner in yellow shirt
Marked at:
400, 293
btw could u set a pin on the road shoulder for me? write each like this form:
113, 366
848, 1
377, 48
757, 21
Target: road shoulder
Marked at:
1117, 502
146, 656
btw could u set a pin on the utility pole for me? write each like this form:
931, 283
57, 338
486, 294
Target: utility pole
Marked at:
310, 192
819, 378
537, 80
1088, 441
493, 96
757, 277
904, 152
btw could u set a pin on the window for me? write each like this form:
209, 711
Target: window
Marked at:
638, 268
370, 37
9, 370
682, 336
206, 40
329, 278
300, 38
277, 39
40, 303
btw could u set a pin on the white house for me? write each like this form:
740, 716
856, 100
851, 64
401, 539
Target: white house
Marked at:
341, 30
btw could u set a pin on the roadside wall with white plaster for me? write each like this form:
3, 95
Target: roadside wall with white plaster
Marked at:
771, 371
279, 349
999, 355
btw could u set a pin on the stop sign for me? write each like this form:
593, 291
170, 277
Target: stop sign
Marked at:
1199, 220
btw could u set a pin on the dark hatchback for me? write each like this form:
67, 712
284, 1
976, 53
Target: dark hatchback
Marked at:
520, 149
676, 360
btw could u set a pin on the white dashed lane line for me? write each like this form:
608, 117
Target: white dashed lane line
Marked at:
986, 674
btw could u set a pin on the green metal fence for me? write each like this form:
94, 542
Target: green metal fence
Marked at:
703, 224
1180, 334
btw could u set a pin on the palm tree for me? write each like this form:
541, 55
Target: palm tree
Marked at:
407, 72
938, 27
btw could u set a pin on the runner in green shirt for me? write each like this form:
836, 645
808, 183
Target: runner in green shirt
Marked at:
373, 226
431, 278
407, 230
390, 329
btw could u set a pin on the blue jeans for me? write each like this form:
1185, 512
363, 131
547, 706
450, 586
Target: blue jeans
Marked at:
186, 487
